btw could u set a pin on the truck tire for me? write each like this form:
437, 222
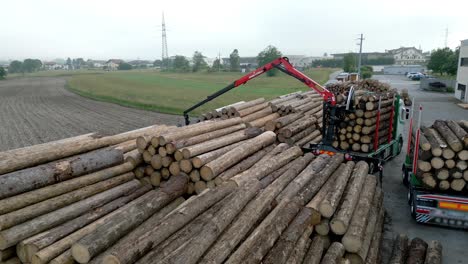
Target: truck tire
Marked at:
413, 207
405, 176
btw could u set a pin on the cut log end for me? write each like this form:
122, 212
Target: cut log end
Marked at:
80, 253
110, 259
338, 227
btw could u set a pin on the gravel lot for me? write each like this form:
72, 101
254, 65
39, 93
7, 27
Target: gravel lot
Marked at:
37, 110
435, 106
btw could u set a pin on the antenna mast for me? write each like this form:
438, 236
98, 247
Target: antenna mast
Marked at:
164, 55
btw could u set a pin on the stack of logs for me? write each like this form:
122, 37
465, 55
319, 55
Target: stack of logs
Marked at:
359, 131
443, 156
415, 251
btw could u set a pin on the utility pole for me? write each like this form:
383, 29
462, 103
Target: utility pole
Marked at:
164, 53
219, 61
360, 55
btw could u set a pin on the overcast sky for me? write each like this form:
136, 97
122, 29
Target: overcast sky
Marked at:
99, 29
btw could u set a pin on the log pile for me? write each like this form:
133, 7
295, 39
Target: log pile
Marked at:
415, 251
341, 89
443, 156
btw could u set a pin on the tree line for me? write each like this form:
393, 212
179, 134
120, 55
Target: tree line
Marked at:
26, 66
444, 61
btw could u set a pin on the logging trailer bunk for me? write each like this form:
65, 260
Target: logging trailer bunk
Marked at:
435, 207
332, 115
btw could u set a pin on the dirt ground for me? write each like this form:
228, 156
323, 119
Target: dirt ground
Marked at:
37, 110
435, 106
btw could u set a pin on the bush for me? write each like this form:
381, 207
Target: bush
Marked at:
2, 73
124, 66
366, 72
450, 90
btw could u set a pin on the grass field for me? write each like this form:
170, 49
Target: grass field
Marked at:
175, 92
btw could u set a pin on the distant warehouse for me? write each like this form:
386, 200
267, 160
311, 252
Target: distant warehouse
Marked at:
462, 73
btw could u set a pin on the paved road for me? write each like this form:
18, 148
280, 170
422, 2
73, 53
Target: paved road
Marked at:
436, 106
38, 110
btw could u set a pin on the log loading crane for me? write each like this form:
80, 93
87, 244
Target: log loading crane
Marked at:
332, 115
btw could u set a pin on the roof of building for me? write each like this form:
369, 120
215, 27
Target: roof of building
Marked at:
393, 51
116, 61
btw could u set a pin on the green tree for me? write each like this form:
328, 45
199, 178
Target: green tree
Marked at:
234, 60
451, 66
217, 66
269, 54
199, 62
366, 72
2, 73
78, 63
69, 63
157, 63
124, 66
331, 63
439, 60
15, 67
180, 63
349, 62
31, 65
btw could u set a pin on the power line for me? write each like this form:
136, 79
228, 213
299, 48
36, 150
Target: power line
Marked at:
361, 38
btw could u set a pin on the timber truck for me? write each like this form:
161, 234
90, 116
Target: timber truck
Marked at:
333, 114
430, 206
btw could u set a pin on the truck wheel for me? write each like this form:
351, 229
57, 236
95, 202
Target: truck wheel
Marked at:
409, 197
413, 207
400, 145
404, 175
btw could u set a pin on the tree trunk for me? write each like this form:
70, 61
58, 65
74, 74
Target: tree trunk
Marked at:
332, 199
248, 104
133, 215
355, 235
185, 142
35, 177
252, 109
323, 228
463, 155
301, 247
7, 253
428, 181
374, 248
201, 160
400, 249
437, 163
317, 247
220, 164
444, 185
424, 166
451, 139
416, 251
22, 215
458, 185
436, 148
297, 126
257, 115
461, 134
286, 120
247, 218
434, 253
134, 157
262, 121
197, 129
308, 138
334, 254
341, 219
19, 232
245, 164
21, 158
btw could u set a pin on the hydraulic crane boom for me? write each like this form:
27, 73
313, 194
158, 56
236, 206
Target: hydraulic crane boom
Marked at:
283, 65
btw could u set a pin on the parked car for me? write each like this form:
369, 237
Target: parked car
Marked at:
417, 76
409, 74
437, 84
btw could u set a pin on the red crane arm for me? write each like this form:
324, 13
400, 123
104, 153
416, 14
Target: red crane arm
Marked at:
283, 65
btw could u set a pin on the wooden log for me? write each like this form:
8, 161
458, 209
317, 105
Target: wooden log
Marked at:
185, 142
200, 186
250, 110
133, 215
35, 177
174, 168
308, 138
437, 163
166, 161
245, 164
458, 184
13, 260
428, 181
304, 133
334, 253
134, 157
416, 251
301, 247
436, 148
165, 174
323, 228
29, 247
215, 167
186, 166
442, 174
248, 104
253, 211
17, 159
297, 126
197, 129
7, 253
461, 133
267, 166
317, 247
19, 232
155, 178
451, 139
434, 253
354, 236
173, 222
340, 221
19, 201
424, 166
217, 143
201, 160
374, 248
444, 185
400, 249
463, 155
448, 153
370, 114
284, 246
330, 202
461, 165
259, 123
22, 215
257, 115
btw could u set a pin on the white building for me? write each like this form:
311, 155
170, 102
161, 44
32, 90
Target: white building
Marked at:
408, 56
462, 73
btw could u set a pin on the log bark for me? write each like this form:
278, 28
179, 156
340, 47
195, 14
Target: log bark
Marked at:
35, 177
19, 232
13, 260
297, 126
461, 133
330, 202
286, 120
182, 215
197, 129
451, 139
250, 110
19, 201
201, 160
258, 207
248, 104
400, 249
22, 215
334, 254
228, 159
217, 143
374, 248
257, 115
317, 247
29, 247
134, 157
301, 247
436, 148
7, 253
434, 253
340, 221
185, 142
245, 164
17, 159
308, 138
304, 133
416, 251
259, 123
133, 215
354, 236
